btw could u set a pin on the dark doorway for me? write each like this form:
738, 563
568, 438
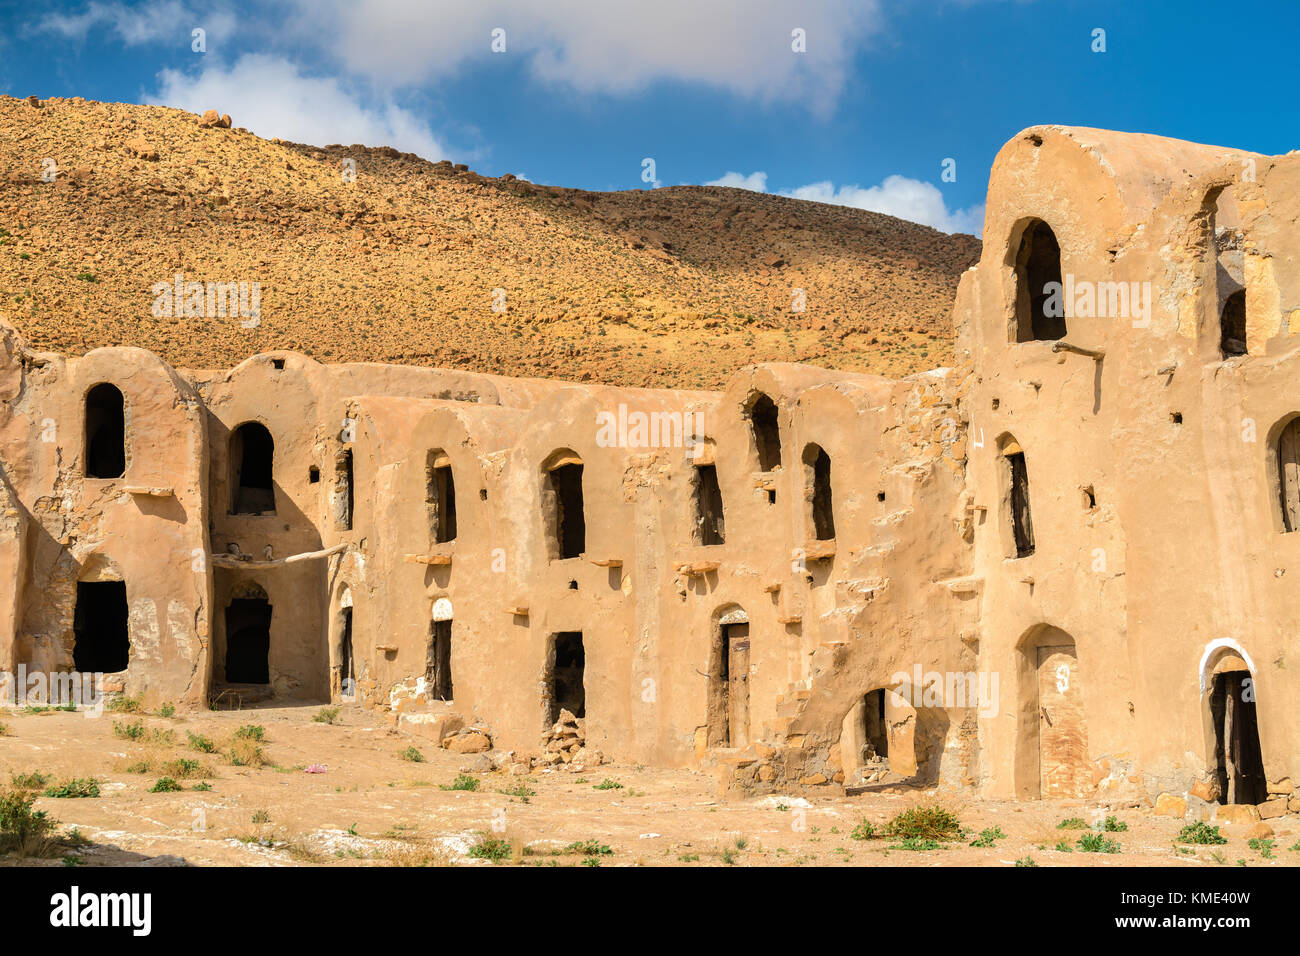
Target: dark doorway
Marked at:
252, 454
567, 676
248, 641
105, 432
1040, 315
347, 658
1232, 325
875, 729
441, 498
437, 668
818, 464
767, 432
1021, 525
101, 641
570, 521
710, 527
1239, 764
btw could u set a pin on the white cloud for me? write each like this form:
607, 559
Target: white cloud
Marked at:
600, 46
150, 22
897, 196
272, 98
754, 182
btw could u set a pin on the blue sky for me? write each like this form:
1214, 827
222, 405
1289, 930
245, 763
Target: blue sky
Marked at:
711, 90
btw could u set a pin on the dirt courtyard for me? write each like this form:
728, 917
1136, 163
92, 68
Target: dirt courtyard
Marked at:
349, 793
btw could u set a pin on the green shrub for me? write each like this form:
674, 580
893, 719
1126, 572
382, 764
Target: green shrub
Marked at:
588, 848
1064, 847
866, 830
165, 785
30, 781
1115, 825
928, 823
124, 705
491, 848
1072, 823
987, 836
1026, 861
201, 744
412, 754
22, 829
1098, 843
252, 732
167, 710
1262, 846
1202, 833
917, 843
327, 715
76, 787
607, 784
463, 781
131, 731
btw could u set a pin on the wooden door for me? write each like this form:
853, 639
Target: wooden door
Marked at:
1062, 734
738, 683
1288, 466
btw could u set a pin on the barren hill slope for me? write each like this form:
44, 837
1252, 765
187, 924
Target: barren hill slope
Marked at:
670, 287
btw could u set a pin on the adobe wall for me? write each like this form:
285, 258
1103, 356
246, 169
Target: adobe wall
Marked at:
1159, 552
1179, 551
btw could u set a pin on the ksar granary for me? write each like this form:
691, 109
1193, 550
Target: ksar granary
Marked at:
1065, 566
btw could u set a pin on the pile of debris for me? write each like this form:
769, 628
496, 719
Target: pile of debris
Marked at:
564, 747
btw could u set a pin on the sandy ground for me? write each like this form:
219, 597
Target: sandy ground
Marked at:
371, 807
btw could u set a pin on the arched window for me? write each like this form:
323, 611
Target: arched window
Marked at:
440, 496
252, 454
762, 413
562, 505
1016, 499
817, 485
710, 524
1040, 306
105, 432
1232, 325
1226, 243
1288, 473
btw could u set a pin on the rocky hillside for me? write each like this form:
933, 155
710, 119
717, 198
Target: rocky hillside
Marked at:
101, 202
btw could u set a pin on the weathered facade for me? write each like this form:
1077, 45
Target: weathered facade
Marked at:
1057, 569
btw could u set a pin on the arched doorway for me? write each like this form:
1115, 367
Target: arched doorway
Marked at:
1052, 733
728, 700
343, 665
1237, 766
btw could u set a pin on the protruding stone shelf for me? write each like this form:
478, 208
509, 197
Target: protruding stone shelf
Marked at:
819, 550
966, 585
696, 568
607, 562
791, 619
517, 611
437, 560
149, 491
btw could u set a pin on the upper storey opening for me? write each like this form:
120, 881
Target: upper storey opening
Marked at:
1040, 308
762, 413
